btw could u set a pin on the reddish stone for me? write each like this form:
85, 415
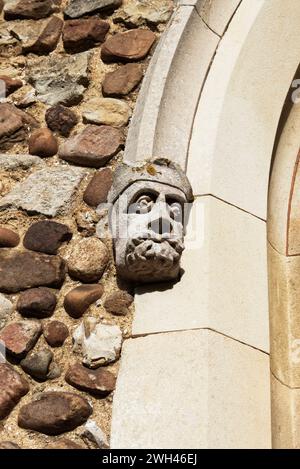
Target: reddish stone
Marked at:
55, 413
55, 333
93, 147
11, 84
78, 301
14, 125
46, 236
34, 9
64, 443
129, 46
12, 388
98, 382
20, 337
83, 34
61, 119
43, 143
118, 302
8, 238
24, 270
49, 37
97, 191
122, 81
37, 303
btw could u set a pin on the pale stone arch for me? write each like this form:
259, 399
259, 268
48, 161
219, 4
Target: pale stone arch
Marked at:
207, 337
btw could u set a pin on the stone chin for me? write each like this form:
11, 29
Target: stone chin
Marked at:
151, 259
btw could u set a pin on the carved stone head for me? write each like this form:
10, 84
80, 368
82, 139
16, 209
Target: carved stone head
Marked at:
150, 208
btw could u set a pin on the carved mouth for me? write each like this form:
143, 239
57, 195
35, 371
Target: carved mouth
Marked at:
153, 252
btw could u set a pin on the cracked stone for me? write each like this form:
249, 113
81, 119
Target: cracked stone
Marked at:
48, 191
62, 81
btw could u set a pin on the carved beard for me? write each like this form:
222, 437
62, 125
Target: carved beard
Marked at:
152, 255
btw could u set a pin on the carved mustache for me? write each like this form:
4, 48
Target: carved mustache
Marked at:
158, 248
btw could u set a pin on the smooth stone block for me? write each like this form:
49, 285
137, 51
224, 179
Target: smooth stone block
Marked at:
193, 389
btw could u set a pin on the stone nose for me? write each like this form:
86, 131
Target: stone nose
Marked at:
161, 225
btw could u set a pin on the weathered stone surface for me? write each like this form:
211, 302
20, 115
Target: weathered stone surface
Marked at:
92, 433
54, 371
99, 344
37, 364
12, 388
15, 162
93, 147
35, 9
14, 125
86, 221
88, 260
37, 303
128, 46
55, 413
46, 236
9, 445
99, 382
118, 302
79, 35
78, 301
77, 8
106, 111
55, 333
64, 443
48, 191
11, 84
60, 81
23, 270
98, 188
43, 143
61, 119
123, 80
8, 238
143, 12
39, 37
23, 97
6, 308
20, 337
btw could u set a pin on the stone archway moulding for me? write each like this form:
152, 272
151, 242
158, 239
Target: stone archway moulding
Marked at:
211, 101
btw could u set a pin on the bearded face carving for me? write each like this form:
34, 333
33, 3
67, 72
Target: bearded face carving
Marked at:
150, 211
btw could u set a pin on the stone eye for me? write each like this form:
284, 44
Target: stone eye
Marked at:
176, 211
144, 204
